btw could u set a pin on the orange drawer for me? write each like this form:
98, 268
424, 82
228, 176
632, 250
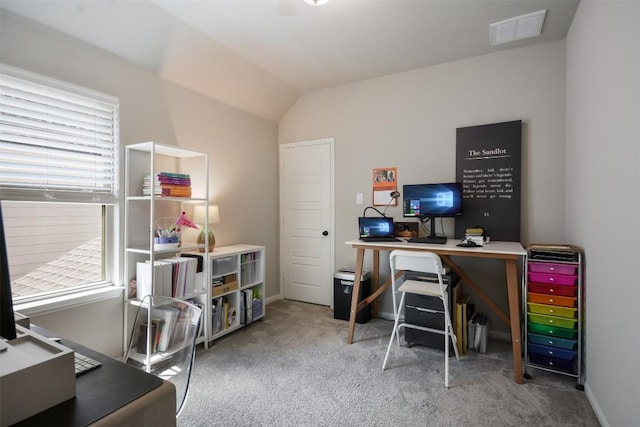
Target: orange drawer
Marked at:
552, 299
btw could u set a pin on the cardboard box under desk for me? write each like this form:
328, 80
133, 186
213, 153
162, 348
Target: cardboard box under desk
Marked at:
228, 284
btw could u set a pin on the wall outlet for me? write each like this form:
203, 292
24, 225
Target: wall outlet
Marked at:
359, 199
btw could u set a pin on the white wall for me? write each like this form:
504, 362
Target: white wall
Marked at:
603, 197
242, 150
409, 120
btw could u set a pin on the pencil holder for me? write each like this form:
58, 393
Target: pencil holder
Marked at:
167, 234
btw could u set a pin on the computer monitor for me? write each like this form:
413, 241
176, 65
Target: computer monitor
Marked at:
7, 320
430, 201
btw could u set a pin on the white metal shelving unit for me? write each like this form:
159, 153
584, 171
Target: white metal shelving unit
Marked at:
142, 211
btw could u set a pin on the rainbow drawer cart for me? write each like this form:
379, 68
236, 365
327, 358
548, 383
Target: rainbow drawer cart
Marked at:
554, 305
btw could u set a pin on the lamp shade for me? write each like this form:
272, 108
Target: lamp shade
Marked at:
199, 214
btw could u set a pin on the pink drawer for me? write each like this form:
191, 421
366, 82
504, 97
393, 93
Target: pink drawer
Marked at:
550, 268
552, 279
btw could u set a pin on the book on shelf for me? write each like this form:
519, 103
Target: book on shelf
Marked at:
154, 336
167, 184
174, 277
246, 307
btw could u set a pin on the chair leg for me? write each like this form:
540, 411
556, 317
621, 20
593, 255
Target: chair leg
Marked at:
454, 340
394, 332
446, 352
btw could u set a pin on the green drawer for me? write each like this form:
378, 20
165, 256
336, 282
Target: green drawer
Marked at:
552, 331
553, 310
561, 322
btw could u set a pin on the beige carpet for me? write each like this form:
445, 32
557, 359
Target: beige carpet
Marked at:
295, 368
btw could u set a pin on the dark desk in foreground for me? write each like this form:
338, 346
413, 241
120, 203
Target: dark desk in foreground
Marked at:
509, 252
113, 395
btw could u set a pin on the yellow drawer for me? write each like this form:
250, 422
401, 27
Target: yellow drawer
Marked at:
552, 310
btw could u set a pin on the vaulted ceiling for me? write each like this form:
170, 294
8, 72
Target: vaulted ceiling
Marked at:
260, 55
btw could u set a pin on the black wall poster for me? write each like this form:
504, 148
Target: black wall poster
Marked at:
488, 163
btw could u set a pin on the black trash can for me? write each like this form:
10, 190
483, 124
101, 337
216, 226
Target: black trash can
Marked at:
342, 291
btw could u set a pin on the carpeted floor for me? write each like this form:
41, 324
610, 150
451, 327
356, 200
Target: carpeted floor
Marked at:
295, 368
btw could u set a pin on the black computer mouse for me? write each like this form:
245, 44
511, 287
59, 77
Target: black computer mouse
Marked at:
468, 244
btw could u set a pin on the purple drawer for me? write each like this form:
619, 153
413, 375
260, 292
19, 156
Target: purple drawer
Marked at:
552, 279
550, 268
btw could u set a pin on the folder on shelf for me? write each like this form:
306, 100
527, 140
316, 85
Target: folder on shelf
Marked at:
144, 277
462, 313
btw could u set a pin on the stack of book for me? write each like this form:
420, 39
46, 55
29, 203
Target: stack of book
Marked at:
167, 184
475, 235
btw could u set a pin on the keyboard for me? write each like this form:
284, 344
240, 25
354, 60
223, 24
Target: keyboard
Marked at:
441, 240
380, 239
85, 364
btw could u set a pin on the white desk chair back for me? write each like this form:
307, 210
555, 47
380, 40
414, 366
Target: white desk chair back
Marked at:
419, 262
163, 341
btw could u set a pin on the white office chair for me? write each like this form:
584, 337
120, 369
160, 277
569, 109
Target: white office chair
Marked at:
163, 341
424, 262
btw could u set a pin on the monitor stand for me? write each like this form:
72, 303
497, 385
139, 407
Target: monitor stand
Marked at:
431, 238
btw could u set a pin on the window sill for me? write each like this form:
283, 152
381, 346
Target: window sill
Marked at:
62, 302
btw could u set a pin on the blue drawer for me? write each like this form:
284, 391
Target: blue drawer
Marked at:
556, 353
552, 363
552, 341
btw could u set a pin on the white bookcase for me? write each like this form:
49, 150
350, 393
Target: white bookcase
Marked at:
142, 213
237, 288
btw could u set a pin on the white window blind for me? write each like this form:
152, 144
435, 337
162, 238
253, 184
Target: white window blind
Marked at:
58, 142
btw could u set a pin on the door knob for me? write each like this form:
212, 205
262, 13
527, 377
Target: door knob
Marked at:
325, 233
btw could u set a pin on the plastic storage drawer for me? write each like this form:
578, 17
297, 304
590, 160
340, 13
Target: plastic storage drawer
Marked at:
552, 299
559, 364
567, 291
223, 266
552, 341
554, 352
543, 267
552, 331
561, 322
553, 310
552, 279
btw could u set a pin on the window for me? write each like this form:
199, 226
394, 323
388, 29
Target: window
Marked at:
58, 184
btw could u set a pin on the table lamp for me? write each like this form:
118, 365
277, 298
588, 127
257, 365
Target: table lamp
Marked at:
213, 218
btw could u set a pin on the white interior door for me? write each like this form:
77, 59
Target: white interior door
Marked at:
307, 221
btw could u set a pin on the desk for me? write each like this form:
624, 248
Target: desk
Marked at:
510, 252
115, 394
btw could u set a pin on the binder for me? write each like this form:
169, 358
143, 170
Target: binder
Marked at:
461, 323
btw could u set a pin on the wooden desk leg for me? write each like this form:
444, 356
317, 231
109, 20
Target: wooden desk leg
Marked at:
511, 268
375, 280
354, 294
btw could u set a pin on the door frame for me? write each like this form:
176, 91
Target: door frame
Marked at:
299, 144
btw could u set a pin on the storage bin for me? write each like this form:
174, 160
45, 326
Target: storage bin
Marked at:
543, 267
552, 331
554, 279
568, 291
343, 281
552, 299
552, 341
223, 266
552, 310
553, 363
554, 352
543, 319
